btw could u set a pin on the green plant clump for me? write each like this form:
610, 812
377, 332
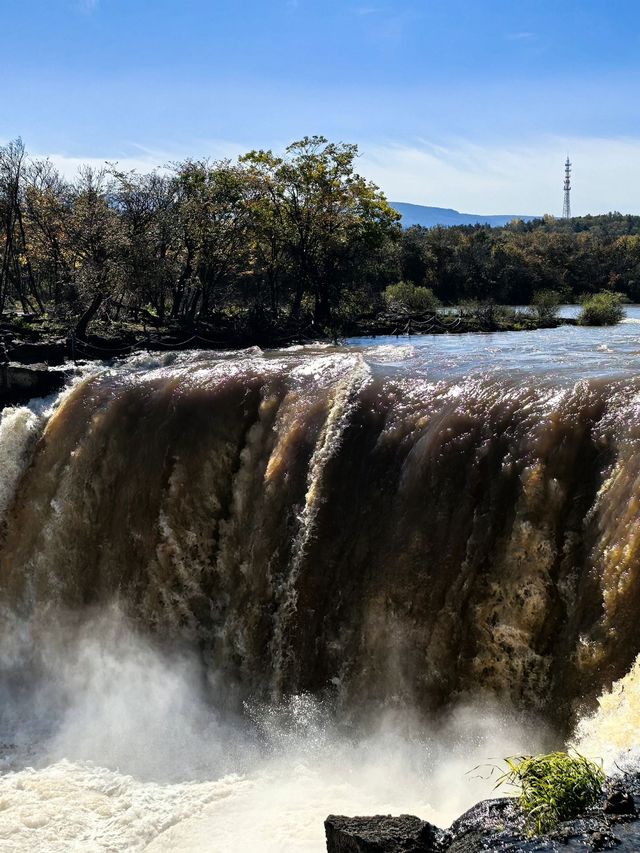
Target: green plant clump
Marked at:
406, 296
554, 787
602, 309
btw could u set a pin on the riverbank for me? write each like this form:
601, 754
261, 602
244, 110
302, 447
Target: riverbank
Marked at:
35, 350
497, 824
42, 340
484, 319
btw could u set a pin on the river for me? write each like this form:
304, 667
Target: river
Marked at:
244, 590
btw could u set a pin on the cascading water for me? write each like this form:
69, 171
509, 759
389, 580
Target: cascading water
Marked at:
189, 544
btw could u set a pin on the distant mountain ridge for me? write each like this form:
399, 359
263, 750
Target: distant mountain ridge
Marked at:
429, 217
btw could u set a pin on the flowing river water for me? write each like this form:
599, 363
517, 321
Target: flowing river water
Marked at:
243, 590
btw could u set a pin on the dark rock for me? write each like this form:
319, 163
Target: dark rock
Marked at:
620, 803
489, 825
20, 382
51, 352
381, 834
498, 825
603, 841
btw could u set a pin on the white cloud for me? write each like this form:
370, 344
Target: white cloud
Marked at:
68, 166
473, 178
525, 179
143, 159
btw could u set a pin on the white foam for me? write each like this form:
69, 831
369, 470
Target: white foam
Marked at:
19, 430
131, 756
612, 732
80, 807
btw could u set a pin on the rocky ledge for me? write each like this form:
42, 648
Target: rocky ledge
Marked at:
22, 382
496, 825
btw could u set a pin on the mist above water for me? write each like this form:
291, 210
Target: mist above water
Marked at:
130, 746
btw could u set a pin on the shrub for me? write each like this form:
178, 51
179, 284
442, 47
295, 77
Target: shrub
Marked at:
545, 305
355, 303
553, 787
485, 314
407, 297
602, 309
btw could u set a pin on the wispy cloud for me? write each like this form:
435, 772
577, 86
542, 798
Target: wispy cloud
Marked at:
473, 178
88, 6
141, 158
525, 179
521, 36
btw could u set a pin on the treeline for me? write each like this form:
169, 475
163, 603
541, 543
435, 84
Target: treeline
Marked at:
269, 240
510, 265
274, 237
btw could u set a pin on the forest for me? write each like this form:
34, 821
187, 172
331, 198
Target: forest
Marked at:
269, 244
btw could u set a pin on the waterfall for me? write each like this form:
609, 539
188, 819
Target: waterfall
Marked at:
313, 526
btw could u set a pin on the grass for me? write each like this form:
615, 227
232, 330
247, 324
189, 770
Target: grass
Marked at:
553, 787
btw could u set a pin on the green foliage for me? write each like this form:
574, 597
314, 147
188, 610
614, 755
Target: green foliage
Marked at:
150, 311
509, 265
290, 237
553, 787
545, 305
355, 304
405, 296
268, 232
21, 322
602, 309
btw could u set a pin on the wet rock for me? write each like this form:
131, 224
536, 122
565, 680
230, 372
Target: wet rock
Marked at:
603, 841
490, 825
381, 834
620, 803
51, 352
498, 825
20, 382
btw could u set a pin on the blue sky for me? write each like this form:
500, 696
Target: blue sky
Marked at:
465, 104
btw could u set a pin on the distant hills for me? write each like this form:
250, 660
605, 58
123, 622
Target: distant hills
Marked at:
419, 214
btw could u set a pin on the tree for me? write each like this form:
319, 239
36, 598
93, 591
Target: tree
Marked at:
47, 202
602, 309
405, 296
15, 266
95, 244
146, 205
546, 304
213, 218
327, 215
272, 242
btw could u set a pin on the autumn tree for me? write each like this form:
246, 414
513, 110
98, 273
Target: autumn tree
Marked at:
16, 270
329, 217
213, 223
96, 244
47, 203
147, 209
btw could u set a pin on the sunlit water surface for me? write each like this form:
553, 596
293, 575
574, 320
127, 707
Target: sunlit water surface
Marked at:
563, 355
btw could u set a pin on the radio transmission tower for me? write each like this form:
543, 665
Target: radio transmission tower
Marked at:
566, 208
